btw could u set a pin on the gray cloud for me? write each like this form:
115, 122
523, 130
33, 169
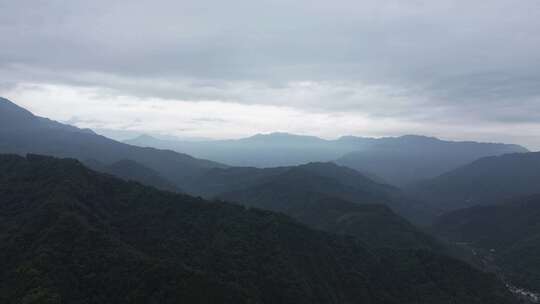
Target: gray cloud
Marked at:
424, 61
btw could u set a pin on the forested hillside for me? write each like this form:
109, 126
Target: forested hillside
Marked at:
509, 232
71, 235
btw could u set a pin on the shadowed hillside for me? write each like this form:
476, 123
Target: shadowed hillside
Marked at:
510, 232
131, 170
70, 235
485, 181
327, 179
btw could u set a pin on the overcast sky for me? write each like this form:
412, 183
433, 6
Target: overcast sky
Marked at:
223, 69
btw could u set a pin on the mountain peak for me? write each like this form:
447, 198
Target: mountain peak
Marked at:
144, 137
416, 136
283, 137
4, 100
275, 135
418, 139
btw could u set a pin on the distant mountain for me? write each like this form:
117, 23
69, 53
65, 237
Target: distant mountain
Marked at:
408, 159
509, 232
395, 160
281, 138
284, 185
21, 132
485, 181
261, 150
71, 235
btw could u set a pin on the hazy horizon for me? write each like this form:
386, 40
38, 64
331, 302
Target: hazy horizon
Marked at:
122, 136
126, 135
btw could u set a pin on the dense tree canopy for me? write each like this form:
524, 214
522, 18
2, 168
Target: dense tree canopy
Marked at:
71, 235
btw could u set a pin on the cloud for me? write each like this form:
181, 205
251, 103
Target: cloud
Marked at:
126, 116
185, 118
427, 64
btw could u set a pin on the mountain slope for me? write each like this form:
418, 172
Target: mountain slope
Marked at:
21, 132
407, 159
510, 232
15, 118
485, 181
133, 171
327, 197
323, 178
70, 235
374, 224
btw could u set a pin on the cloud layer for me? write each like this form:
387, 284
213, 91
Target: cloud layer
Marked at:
449, 68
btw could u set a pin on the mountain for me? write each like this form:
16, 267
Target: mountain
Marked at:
133, 171
15, 118
172, 171
396, 160
509, 233
286, 184
408, 159
336, 199
485, 181
71, 235
374, 224
22, 132
261, 150
241, 177
282, 138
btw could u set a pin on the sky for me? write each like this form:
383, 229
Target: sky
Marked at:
462, 70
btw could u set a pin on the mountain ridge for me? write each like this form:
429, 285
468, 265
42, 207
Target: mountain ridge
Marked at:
23, 133
396, 160
325, 178
485, 181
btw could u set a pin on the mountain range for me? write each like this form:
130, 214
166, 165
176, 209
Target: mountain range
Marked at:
261, 150
22, 132
26, 133
60, 219
71, 235
408, 159
396, 160
289, 187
